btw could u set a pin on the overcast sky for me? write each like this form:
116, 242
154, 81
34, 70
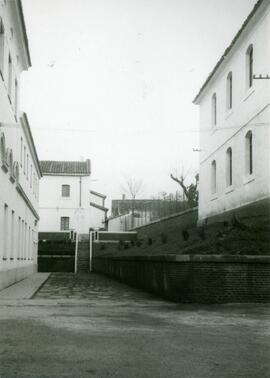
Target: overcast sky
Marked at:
114, 80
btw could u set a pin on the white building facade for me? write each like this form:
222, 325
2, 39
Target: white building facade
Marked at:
19, 166
235, 121
65, 197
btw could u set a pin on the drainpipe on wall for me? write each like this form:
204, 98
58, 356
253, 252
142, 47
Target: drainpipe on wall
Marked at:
80, 201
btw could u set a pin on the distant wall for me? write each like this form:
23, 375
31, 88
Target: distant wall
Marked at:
159, 237
193, 279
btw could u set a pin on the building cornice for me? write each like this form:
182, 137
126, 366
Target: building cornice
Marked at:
246, 124
24, 33
30, 140
27, 201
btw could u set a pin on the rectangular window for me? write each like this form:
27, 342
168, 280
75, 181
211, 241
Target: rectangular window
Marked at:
29, 244
22, 243
19, 239
25, 241
64, 226
33, 245
5, 231
65, 190
12, 234
2, 48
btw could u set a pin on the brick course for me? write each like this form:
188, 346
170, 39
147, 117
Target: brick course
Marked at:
194, 279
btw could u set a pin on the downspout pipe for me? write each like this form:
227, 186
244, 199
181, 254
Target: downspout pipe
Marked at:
80, 198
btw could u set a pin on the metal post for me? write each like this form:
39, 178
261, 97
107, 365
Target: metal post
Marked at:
76, 253
90, 251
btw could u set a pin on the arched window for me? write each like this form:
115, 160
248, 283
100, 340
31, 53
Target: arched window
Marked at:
10, 77
214, 177
249, 152
16, 172
9, 157
249, 66
229, 91
229, 166
214, 109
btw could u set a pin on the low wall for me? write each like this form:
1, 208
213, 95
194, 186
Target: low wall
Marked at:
193, 279
56, 254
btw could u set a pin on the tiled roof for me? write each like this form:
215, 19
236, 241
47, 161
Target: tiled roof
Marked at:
65, 168
226, 52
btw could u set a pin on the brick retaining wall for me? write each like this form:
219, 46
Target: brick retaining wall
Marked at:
193, 279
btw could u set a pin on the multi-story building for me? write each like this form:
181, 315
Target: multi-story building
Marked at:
65, 198
19, 166
234, 121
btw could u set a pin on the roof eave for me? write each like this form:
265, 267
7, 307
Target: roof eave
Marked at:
25, 38
198, 97
65, 174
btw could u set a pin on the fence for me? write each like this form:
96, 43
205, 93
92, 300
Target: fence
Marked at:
97, 237
137, 213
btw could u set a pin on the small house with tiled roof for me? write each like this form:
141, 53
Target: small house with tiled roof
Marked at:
65, 197
235, 122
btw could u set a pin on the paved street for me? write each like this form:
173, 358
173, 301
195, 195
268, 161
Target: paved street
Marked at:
90, 326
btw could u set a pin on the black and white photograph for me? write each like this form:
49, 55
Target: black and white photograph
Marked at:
135, 188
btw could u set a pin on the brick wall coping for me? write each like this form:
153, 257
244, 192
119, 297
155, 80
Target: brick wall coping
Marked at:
176, 215
194, 258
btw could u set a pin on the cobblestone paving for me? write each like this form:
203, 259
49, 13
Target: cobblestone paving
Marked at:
90, 326
85, 286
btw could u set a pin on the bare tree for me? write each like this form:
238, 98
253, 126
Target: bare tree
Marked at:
190, 191
132, 188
